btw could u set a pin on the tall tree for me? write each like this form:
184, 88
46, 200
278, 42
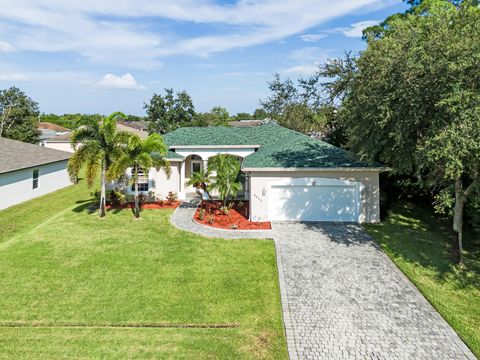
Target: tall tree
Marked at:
96, 147
18, 116
226, 169
140, 155
415, 88
260, 114
170, 111
216, 117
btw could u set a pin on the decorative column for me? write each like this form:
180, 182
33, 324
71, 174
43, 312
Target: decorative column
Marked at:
181, 193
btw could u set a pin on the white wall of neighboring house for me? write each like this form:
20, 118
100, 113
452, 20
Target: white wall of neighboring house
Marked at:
266, 184
17, 186
63, 146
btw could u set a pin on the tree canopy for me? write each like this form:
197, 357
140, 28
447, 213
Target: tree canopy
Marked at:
170, 111
411, 100
18, 116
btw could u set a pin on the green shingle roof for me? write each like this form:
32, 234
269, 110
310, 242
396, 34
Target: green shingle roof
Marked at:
278, 147
173, 155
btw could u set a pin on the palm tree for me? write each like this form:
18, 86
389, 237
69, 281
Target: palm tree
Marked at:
96, 147
226, 168
200, 180
139, 155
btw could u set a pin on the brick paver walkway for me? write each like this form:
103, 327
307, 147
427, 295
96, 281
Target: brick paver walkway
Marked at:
343, 298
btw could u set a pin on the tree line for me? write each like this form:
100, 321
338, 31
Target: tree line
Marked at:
410, 100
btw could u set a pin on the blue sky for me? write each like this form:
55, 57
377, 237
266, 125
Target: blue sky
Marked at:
95, 56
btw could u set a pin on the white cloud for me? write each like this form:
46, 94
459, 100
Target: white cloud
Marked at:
304, 69
356, 30
312, 37
6, 47
13, 77
124, 82
124, 40
307, 60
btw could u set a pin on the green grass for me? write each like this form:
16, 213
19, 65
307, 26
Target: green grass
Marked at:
419, 245
61, 265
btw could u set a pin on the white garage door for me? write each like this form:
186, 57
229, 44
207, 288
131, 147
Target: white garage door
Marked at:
314, 199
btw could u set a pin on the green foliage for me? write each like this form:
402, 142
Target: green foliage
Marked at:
172, 197
96, 147
301, 107
71, 121
411, 100
242, 116
18, 116
218, 116
260, 114
170, 111
139, 154
200, 179
226, 169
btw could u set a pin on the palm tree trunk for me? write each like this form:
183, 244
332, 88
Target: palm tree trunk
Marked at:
103, 190
137, 205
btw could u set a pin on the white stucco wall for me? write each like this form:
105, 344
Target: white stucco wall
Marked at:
17, 186
159, 183
369, 200
63, 146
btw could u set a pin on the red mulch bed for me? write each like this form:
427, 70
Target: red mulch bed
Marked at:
238, 216
154, 205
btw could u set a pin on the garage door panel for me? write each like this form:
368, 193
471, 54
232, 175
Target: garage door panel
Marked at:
313, 203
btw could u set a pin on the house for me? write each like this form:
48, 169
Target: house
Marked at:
62, 141
28, 171
286, 176
48, 130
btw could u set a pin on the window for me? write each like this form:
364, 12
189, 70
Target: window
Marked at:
196, 167
196, 164
142, 181
35, 176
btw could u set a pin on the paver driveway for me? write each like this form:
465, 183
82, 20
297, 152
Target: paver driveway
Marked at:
344, 299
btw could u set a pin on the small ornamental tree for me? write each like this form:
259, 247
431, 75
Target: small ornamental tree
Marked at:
200, 180
225, 179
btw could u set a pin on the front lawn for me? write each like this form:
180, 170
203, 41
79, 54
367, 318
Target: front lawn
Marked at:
418, 243
69, 280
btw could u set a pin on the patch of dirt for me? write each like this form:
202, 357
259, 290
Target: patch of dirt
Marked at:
236, 219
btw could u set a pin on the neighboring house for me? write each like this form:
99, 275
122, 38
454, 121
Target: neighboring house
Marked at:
286, 175
28, 171
62, 142
48, 130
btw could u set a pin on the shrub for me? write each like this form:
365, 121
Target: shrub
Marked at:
211, 219
116, 197
96, 196
171, 197
201, 214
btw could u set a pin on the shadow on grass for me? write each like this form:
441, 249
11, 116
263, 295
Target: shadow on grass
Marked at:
415, 235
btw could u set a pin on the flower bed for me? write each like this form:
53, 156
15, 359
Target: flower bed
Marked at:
237, 218
149, 205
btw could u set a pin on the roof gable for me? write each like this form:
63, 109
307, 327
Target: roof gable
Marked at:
17, 155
